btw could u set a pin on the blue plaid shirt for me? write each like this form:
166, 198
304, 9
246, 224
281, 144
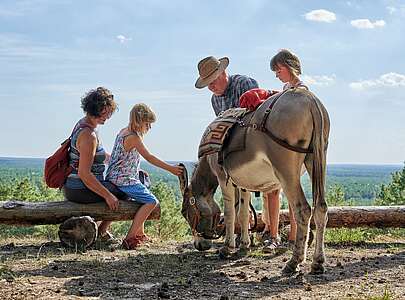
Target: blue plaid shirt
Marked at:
237, 85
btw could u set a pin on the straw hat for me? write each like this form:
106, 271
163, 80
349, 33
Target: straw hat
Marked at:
209, 69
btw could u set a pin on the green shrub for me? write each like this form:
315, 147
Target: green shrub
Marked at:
335, 196
171, 225
394, 192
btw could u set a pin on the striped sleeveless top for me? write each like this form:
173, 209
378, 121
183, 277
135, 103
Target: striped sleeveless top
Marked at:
73, 181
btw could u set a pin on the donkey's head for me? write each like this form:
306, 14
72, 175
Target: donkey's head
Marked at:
199, 208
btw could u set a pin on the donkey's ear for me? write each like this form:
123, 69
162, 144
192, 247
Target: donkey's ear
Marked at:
183, 179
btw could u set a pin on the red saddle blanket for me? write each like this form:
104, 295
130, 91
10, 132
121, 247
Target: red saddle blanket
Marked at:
214, 136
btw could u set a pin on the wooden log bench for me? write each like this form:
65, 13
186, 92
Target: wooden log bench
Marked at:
78, 221
348, 217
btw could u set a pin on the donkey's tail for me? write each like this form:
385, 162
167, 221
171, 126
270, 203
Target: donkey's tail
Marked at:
319, 144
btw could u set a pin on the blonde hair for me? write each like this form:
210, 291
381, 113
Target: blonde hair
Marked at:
140, 114
286, 58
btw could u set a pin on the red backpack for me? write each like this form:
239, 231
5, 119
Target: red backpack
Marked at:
57, 167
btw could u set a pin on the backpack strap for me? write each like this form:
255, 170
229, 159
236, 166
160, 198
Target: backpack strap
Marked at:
76, 129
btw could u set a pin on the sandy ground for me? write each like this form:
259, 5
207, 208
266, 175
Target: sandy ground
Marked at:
35, 269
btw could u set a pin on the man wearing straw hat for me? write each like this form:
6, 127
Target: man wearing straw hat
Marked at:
227, 90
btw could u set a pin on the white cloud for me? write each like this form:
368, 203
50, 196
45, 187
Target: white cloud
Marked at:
123, 39
320, 80
367, 24
386, 80
320, 15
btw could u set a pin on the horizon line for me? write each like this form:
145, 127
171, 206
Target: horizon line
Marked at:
328, 163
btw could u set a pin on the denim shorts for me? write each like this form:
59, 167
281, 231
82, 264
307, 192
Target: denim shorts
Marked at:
139, 193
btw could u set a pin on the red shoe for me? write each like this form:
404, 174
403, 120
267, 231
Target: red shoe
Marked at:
143, 238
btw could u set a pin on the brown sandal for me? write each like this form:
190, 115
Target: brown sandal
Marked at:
131, 243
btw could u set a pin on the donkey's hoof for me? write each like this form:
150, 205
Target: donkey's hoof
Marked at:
290, 269
202, 245
243, 251
224, 253
317, 269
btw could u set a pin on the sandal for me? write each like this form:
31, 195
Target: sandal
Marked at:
143, 238
107, 239
131, 243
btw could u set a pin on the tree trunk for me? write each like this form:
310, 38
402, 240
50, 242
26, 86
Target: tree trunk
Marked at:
36, 213
348, 217
78, 232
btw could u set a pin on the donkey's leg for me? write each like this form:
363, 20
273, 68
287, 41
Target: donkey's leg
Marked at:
320, 216
228, 194
244, 201
302, 214
320, 211
320, 219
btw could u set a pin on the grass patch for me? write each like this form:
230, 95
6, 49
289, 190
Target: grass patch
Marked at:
358, 235
6, 272
387, 295
257, 253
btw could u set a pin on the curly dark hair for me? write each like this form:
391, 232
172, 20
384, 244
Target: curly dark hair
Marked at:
95, 101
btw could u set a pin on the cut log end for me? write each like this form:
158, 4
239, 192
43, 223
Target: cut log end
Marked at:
78, 232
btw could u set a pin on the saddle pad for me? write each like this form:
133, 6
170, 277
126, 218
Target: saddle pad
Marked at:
215, 134
235, 142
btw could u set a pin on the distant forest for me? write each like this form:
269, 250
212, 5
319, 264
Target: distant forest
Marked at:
360, 183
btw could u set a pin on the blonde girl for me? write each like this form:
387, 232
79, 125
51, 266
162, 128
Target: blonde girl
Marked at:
124, 166
287, 68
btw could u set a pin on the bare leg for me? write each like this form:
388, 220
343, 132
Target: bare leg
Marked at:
273, 199
137, 227
266, 213
103, 227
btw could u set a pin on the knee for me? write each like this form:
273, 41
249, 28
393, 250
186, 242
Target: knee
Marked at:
155, 202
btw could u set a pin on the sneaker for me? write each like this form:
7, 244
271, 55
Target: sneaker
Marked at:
263, 236
274, 246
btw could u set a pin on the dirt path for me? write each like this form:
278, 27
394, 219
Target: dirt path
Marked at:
43, 270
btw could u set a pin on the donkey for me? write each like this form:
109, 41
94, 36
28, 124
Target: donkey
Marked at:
288, 130
202, 212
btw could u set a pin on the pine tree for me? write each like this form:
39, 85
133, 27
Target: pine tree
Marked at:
394, 192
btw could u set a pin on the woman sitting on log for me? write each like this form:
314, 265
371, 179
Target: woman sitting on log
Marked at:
86, 183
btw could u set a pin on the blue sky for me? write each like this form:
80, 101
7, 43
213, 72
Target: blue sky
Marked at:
52, 52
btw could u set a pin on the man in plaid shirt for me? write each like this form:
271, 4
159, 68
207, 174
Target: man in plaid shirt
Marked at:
227, 90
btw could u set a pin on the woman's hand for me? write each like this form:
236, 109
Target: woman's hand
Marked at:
112, 202
176, 170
